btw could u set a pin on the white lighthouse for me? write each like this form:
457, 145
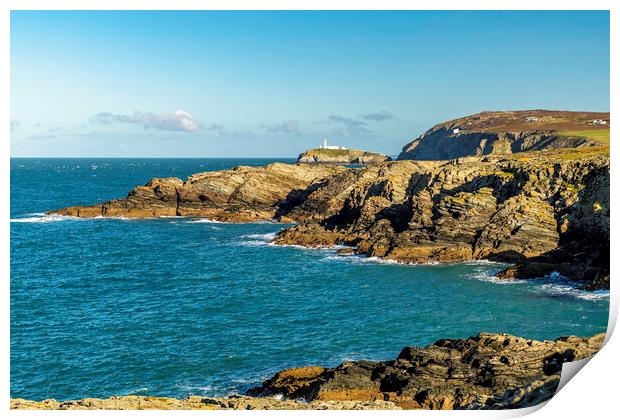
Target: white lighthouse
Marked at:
325, 146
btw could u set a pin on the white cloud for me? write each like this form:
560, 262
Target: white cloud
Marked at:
177, 121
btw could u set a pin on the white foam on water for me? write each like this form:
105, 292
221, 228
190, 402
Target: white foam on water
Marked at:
310, 248
379, 260
490, 278
205, 220
362, 259
44, 218
263, 236
117, 218
48, 218
252, 243
479, 262
207, 388
555, 289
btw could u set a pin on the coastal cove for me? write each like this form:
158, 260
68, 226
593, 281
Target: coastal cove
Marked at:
186, 306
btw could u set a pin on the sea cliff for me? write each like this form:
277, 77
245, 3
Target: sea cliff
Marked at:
504, 132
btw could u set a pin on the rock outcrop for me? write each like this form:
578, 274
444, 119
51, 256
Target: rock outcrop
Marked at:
546, 210
342, 156
509, 132
489, 371
245, 193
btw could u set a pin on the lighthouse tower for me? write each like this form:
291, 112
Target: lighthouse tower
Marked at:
325, 146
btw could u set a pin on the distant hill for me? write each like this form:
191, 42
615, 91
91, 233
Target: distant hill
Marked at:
350, 156
509, 132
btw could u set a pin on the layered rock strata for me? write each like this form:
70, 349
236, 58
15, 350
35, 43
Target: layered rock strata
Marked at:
244, 193
547, 212
489, 371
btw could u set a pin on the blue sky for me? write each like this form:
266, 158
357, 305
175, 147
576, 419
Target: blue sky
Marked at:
271, 84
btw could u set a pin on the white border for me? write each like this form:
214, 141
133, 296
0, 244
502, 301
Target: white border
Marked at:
592, 395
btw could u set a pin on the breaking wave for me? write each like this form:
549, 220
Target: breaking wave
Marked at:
263, 236
205, 220
563, 290
43, 218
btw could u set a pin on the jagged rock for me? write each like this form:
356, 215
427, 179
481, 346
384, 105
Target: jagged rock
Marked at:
488, 371
550, 208
244, 193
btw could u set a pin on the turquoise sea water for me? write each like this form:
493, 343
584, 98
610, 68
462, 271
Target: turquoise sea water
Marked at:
177, 306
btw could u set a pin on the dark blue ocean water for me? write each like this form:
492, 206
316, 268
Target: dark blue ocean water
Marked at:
184, 306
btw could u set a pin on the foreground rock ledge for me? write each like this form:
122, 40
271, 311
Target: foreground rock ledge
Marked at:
488, 371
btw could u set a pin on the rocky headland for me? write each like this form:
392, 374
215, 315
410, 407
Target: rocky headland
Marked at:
341, 156
488, 371
545, 211
504, 132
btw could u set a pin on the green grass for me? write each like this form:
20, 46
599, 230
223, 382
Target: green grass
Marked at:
330, 152
600, 136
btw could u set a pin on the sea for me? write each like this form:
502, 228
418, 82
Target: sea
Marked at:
187, 306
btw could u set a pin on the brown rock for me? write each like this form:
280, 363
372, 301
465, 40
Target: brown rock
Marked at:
487, 371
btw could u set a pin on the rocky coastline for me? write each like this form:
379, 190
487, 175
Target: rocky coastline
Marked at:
488, 371
538, 200
544, 212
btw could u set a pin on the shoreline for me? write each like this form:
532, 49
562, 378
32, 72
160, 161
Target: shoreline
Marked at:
487, 371
349, 250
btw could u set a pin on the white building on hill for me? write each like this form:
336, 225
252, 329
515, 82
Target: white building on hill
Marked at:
325, 146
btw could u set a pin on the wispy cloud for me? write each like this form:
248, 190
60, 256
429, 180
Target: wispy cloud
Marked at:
378, 116
289, 127
42, 137
15, 125
242, 134
55, 129
176, 121
346, 121
347, 126
215, 127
